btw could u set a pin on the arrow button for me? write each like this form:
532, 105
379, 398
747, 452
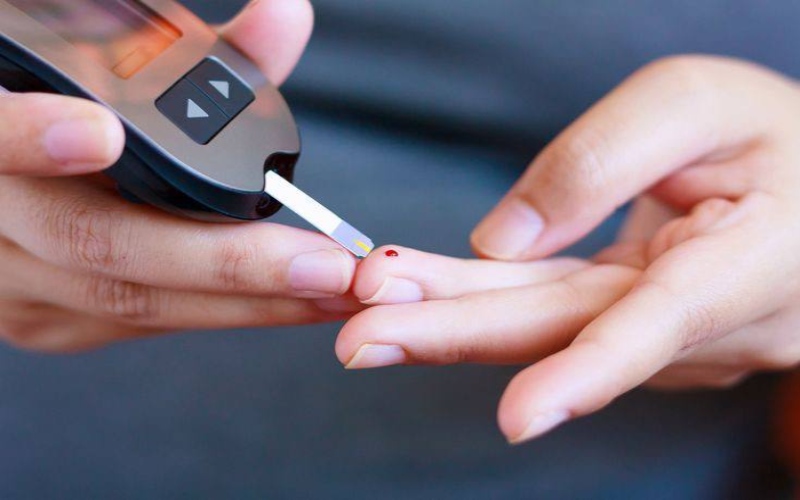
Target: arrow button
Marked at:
222, 87
193, 110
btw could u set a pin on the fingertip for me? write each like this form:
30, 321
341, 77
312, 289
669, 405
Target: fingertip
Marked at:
512, 411
370, 273
396, 291
538, 426
509, 232
323, 273
273, 33
387, 265
58, 135
519, 416
542, 397
347, 342
113, 131
85, 138
375, 337
580, 380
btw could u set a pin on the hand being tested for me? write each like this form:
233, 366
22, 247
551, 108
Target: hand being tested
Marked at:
81, 267
702, 288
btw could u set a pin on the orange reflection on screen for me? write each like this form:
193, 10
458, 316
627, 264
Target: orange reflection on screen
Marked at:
124, 35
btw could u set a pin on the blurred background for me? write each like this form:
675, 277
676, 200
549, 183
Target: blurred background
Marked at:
416, 117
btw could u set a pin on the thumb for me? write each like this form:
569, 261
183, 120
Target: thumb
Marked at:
51, 135
671, 114
273, 33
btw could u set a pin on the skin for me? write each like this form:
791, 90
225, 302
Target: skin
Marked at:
701, 289
80, 267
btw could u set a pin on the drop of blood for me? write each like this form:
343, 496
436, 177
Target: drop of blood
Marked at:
392, 253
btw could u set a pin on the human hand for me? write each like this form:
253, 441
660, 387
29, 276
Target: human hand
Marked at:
80, 267
702, 289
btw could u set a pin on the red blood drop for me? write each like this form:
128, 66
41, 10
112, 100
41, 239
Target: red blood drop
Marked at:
392, 253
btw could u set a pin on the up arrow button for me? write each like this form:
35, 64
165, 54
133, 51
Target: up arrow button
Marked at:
222, 87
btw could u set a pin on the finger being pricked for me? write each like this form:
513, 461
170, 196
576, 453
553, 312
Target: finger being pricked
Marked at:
79, 225
395, 275
540, 313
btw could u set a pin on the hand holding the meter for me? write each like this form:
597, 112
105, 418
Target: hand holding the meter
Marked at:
80, 267
702, 288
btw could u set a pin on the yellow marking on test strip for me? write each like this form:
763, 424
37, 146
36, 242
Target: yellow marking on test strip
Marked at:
363, 246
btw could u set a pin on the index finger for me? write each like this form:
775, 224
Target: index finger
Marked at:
74, 223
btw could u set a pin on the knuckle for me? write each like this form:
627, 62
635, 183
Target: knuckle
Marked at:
233, 264
453, 355
86, 235
467, 348
576, 166
699, 325
130, 302
685, 75
696, 322
707, 217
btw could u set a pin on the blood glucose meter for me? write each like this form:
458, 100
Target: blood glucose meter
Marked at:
205, 130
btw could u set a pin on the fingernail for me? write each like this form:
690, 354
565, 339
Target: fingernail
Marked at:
508, 231
80, 144
321, 274
377, 356
396, 291
540, 424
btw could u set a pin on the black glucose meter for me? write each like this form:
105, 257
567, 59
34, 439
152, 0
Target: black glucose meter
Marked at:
203, 124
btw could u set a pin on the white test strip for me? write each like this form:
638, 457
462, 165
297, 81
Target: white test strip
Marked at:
318, 215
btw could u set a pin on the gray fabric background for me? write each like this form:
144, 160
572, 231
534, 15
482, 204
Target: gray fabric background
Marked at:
417, 116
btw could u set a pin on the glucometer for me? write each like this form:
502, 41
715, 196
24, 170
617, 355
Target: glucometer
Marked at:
207, 135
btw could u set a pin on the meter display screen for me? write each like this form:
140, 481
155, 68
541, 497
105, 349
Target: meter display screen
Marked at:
122, 35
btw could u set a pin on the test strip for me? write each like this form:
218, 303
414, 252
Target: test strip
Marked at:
317, 215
